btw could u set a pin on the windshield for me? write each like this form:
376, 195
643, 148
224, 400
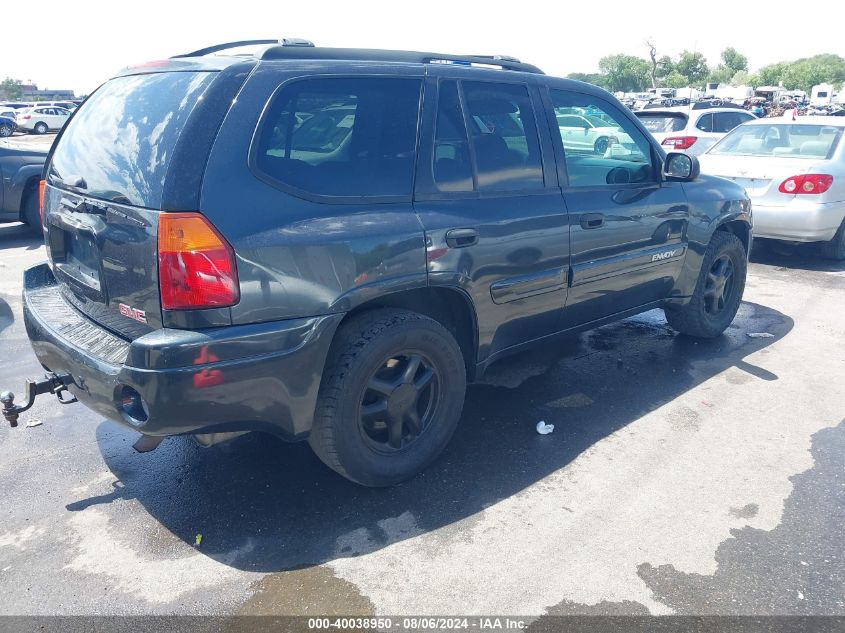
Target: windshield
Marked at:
119, 144
780, 139
663, 122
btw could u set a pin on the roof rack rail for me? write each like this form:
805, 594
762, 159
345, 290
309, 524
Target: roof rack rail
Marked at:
287, 41
411, 57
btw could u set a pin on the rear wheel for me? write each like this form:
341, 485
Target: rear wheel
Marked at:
835, 248
41, 128
391, 396
718, 291
6, 130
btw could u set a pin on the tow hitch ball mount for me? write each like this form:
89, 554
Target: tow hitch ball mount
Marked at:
51, 383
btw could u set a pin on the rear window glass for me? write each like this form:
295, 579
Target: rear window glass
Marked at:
119, 145
662, 123
342, 136
793, 140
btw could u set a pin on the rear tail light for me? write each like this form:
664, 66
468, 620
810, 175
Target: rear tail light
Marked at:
806, 184
26, 117
196, 266
679, 142
41, 186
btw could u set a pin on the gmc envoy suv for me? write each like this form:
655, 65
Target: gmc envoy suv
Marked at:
328, 244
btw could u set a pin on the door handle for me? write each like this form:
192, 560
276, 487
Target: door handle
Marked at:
592, 220
461, 238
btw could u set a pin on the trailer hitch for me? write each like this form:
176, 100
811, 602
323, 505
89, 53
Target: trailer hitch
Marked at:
51, 383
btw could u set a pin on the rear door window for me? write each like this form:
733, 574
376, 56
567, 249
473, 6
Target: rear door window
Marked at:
452, 162
342, 137
504, 138
724, 122
120, 143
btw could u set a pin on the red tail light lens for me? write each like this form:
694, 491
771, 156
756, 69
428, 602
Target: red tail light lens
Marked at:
26, 117
679, 142
811, 184
196, 266
41, 186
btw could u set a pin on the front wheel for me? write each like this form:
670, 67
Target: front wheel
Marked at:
391, 396
718, 292
601, 145
6, 130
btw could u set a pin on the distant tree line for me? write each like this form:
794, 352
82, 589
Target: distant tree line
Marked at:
629, 73
11, 89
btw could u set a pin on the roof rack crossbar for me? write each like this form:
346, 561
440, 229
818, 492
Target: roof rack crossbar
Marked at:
413, 57
291, 41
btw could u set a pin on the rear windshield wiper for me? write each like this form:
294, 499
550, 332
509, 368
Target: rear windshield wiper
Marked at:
85, 206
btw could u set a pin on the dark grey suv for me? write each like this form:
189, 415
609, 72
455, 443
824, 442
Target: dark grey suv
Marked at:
327, 244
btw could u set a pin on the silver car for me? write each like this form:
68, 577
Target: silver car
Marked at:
794, 173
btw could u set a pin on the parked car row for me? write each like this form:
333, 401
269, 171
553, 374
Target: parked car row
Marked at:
38, 119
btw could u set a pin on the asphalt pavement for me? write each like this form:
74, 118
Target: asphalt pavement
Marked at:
682, 477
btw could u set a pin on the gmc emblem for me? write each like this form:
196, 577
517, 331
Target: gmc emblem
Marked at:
132, 313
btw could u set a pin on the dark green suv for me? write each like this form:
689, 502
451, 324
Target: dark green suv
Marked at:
327, 244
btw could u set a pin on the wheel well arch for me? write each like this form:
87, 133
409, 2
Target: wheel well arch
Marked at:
451, 307
738, 228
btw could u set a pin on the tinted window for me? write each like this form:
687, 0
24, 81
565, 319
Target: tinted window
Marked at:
724, 122
342, 136
663, 123
504, 137
615, 153
122, 139
705, 123
452, 163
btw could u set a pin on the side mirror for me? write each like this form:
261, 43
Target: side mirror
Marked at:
681, 167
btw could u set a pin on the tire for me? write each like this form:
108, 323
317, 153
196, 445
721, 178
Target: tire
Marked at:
601, 145
30, 213
40, 128
6, 130
368, 436
709, 312
835, 248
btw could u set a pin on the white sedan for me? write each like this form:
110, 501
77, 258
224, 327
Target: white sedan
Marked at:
587, 133
794, 173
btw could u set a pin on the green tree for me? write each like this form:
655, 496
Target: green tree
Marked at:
744, 78
693, 66
597, 79
665, 66
11, 88
625, 72
720, 75
676, 80
732, 59
807, 72
772, 74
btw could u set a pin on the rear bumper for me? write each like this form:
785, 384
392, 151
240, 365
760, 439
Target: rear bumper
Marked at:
250, 377
800, 220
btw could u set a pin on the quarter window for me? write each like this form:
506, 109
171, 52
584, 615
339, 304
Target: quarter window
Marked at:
705, 123
342, 136
601, 145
